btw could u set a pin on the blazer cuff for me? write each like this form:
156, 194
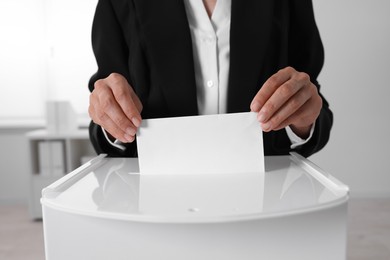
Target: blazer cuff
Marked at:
117, 144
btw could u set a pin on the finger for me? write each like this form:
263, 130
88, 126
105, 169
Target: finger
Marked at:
108, 109
295, 117
115, 113
283, 95
127, 105
305, 115
126, 98
269, 88
286, 110
109, 126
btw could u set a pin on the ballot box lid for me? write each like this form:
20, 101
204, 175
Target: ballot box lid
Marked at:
113, 188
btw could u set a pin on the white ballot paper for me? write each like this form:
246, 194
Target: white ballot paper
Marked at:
211, 144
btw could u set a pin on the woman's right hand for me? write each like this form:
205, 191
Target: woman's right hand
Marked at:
114, 105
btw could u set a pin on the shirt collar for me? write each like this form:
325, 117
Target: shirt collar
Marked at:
199, 19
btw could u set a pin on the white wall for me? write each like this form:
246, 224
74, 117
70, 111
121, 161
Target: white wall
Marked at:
45, 54
22, 58
355, 80
70, 59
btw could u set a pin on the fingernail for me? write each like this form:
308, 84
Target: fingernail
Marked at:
129, 138
131, 131
266, 127
255, 106
136, 121
261, 117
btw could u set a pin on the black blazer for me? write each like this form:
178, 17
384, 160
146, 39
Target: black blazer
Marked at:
149, 43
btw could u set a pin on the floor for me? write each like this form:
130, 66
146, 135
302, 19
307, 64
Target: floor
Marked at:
368, 235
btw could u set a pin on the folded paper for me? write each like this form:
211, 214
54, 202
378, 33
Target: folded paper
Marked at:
211, 144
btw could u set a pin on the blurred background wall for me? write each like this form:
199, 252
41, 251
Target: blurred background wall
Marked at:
355, 80
45, 54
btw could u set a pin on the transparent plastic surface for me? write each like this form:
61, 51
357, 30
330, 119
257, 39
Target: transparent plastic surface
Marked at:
115, 189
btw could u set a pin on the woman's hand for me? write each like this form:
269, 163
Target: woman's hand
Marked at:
114, 106
287, 98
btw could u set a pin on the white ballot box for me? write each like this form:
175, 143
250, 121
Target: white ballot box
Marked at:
106, 209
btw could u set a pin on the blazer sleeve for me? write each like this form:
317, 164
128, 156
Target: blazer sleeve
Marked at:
111, 53
306, 53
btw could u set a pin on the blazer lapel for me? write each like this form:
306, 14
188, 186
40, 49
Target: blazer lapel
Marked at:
167, 37
165, 28
251, 23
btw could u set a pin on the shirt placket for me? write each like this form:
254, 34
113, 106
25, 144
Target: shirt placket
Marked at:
210, 72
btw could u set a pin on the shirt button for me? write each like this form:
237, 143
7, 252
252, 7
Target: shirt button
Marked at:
210, 83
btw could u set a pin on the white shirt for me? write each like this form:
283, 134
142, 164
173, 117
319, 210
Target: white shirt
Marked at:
211, 54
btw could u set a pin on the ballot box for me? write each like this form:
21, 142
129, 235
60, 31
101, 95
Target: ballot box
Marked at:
106, 209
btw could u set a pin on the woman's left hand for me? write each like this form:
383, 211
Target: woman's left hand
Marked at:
287, 98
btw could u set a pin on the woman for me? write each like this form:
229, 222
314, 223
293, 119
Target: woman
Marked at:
187, 57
